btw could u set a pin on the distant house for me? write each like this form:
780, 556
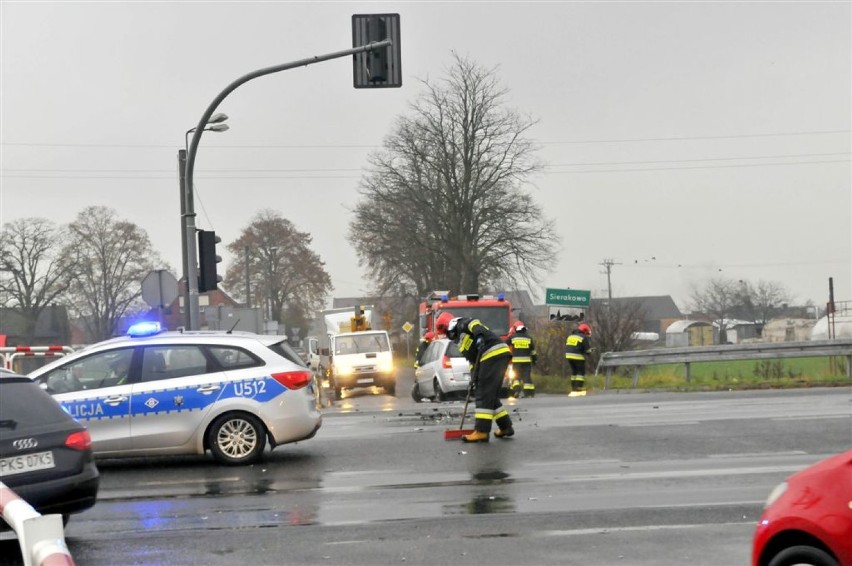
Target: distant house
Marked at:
682, 333
209, 306
52, 327
660, 311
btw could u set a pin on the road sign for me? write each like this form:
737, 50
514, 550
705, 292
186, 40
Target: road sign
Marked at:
407, 327
568, 298
159, 288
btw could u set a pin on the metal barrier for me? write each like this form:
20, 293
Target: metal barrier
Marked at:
730, 352
41, 537
9, 353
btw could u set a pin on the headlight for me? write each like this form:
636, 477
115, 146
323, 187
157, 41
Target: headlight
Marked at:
344, 370
386, 367
510, 373
775, 494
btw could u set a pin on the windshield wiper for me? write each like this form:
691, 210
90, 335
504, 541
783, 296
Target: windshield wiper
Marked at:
9, 423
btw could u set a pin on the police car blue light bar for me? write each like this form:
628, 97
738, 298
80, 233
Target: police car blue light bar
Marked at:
146, 328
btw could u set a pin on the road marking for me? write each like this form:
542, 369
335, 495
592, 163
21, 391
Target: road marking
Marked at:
642, 528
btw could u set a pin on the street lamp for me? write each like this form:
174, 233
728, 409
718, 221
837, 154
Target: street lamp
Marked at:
187, 224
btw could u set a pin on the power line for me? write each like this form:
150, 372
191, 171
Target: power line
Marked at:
362, 146
352, 169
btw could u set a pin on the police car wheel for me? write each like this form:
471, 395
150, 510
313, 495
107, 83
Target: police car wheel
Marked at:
237, 438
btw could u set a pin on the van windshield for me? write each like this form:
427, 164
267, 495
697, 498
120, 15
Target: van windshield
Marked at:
361, 343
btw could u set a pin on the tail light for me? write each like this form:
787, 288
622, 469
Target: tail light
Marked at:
446, 363
293, 379
79, 440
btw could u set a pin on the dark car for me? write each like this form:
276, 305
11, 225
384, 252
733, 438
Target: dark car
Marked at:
808, 518
45, 455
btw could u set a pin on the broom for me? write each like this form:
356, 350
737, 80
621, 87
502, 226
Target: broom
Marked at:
456, 433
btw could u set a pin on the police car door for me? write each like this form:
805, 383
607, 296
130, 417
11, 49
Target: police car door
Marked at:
177, 387
95, 391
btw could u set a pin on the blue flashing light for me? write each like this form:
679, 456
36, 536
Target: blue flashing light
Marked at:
501, 297
145, 328
445, 298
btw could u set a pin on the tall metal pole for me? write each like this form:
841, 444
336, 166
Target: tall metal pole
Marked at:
183, 233
248, 280
191, 252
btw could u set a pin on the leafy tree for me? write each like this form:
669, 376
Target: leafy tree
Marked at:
32, 277
111, 257
444, 204
282, 269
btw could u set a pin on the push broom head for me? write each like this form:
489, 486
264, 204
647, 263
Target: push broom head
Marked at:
456, 433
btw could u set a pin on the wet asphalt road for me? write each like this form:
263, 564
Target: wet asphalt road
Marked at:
637, 478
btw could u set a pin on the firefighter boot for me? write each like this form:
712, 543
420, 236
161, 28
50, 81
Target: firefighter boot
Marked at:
504, 432
476, 436
578, 386
516, 388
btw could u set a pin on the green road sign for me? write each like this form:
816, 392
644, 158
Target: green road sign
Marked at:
568, 298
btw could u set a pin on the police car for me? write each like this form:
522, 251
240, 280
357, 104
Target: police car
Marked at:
159, 393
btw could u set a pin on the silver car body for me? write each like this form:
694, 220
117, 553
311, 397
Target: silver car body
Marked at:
178, 387
433, 371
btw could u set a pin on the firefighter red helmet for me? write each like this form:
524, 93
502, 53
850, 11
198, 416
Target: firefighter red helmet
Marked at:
520, 326
443, 321
585, 329
429, 336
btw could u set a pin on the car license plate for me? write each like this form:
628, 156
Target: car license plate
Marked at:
366, 380
26, 463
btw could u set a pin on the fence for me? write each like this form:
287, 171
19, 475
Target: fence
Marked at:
730, 352
8, 354
41, 537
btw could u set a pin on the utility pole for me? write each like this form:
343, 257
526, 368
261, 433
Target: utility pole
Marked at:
248, 279
608, 263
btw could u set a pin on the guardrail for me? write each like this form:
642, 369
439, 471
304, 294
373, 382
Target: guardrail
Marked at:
729, 352
41, 537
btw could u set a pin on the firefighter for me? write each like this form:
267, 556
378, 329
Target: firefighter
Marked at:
577, 347
523, 358
491, 357
421, 348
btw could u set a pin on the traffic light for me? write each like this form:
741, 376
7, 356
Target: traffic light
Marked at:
208, 279
382, 67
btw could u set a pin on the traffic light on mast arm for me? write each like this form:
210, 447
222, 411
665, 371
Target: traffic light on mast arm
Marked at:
208, 279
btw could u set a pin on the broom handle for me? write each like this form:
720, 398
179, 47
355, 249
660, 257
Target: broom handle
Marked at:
474, 374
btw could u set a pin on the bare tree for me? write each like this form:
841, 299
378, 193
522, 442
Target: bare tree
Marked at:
284, 273
444, 204
761, 302
718, 298
31, 275
111, 256
613, 326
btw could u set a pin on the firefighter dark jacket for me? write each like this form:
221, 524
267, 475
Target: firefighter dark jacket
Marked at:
577, 345
523, 348
475, 337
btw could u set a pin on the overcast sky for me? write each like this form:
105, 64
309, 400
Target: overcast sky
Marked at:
684, 141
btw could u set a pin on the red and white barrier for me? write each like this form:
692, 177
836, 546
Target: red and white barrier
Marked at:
41, 537
9, 353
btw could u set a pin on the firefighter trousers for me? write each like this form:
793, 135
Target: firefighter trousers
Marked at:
488, 383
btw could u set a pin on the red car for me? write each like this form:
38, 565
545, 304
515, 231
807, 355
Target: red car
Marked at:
808, 518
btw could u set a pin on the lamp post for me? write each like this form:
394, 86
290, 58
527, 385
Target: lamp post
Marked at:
187, 225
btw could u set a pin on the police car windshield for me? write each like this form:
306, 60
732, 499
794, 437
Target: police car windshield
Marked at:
284, 350
496, 319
